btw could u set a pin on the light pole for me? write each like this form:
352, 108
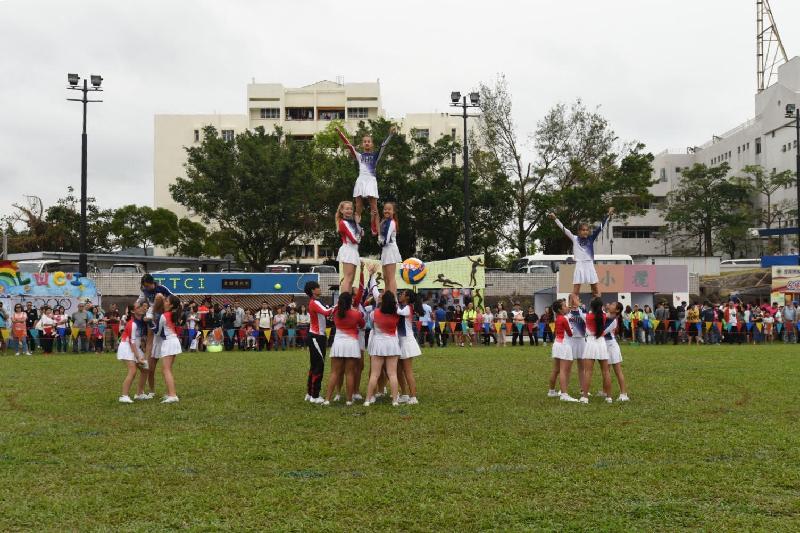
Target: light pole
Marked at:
73, 85
793, 112
779, 218
456, 100
611, 242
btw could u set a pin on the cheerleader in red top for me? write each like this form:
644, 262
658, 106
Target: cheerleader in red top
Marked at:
384, 348
390, 254
350, 232
346, 350
170, 345
596, 349
130, 352
562, 352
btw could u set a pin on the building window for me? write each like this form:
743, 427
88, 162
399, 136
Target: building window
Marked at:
299, 113
270, 113
227, 135
677, 170
357, 112
331, 114
197, 136
758, 145
422, 134
662, 175
636, 232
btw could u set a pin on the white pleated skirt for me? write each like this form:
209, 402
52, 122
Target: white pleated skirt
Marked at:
614, 353
124, 352
383, 345
595, 349
391, 254
562, 350
366, 187
348, 253
169, 346
585, 273
345, 346
578, 346
409, 347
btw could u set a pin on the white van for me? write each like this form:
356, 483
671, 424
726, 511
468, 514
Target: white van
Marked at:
732, 264
552, 263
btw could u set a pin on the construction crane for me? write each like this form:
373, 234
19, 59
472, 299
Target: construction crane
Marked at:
770, 53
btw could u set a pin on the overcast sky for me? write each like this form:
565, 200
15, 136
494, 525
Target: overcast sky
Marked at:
669, 73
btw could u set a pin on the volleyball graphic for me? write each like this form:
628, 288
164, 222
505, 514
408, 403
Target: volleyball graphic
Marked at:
413, 270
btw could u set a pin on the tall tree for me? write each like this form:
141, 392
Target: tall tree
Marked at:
142, 226
705, 203
261, 189
766, 185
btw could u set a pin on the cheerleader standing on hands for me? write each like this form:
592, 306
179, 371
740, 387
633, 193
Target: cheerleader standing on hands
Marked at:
350, 232
390, 254
367, 183
583, 252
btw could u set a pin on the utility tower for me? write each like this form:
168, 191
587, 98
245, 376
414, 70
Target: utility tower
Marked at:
770, 53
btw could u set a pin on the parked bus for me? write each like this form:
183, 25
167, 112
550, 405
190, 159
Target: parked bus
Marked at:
546, 264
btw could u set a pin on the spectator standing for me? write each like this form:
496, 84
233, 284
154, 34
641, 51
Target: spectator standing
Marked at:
80, 320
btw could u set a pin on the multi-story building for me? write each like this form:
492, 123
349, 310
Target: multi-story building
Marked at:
301, 112
768, 139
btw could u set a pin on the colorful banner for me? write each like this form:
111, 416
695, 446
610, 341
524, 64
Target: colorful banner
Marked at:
785, 280
238, 283
459, 273
45, 284
631, 279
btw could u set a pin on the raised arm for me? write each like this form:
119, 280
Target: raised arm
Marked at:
567, 329
345, 230
567, 232
347, 143
384, 143
602, 225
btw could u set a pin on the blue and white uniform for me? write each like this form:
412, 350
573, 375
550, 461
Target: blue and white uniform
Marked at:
387, 238
350, 233
405, 331
367, 182
170, 343
583, 252
576, 341
614, 353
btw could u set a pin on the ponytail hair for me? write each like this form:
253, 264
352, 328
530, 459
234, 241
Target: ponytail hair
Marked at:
344, 305
618, 329
388, 303
556, 307
599, 321
176, 308
415, 302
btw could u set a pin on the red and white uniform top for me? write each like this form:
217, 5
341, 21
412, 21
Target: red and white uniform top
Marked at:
407, 316
383, 324
130, 333
610, 332
319, 313
166, 325
349, 231
349, 325
590, 326
562, 328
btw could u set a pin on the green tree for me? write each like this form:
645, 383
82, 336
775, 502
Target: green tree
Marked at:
704, 204
261, 189
766, 185
191, 238
142, 226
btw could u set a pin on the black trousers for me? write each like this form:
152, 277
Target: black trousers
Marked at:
316, 365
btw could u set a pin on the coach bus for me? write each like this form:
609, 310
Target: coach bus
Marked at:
546, 264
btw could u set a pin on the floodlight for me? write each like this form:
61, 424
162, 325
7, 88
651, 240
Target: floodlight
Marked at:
474, 98
96, 80
73, 79
455, 96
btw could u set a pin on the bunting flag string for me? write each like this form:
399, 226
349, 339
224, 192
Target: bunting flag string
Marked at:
74, 331
519, 327
508, 328
531, 325
541, 329
497, 327
708, 325
441, 327
760, 326
699, 327
452, 327
779, 326
205, 333
552, 327
4, 332
738, 326
268, 333
656, 323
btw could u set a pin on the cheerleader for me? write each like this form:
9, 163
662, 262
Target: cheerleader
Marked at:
346, 350
410, 306
614, 353
130, 352
577, 340
384, 347
596, 350
367, 182
170, 345
562, 354
583, 253
350, 233
390, 254
317, 342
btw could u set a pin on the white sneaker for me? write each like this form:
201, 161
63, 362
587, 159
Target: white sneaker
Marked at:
584, 399
377, 396
403, 399
326, 402
357, 397
125, 399
609, 400
17, 353
141, 397
567, 398
317, 401
552, 393
307, 398
395, 403
337, 398
170, 399
28, 353
348, 404
623, 398
413, 401
367, 403
601, 394
150, 395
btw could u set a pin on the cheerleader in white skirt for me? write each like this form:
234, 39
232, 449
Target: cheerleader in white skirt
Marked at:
350, 233
596, 349
367, 183
346, 349
130, 352
614, 352
583, 253
384, 347
577, 341
390, 254
562, 354
170, 345
410, 307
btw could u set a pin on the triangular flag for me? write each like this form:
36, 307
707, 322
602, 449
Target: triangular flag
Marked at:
327, 332
230, 333
268, 333
749, 326
75, 332
779, 326
497, 327
508, 328
464, 325
530, 327
699, 327
655, 324
206, 332
452, 327
738, 326
553, 327
441, 327
541, 329
708, 325
759, 326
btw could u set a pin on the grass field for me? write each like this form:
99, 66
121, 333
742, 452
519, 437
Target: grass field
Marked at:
710, 440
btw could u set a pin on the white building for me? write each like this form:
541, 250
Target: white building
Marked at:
763, 140
301, 112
